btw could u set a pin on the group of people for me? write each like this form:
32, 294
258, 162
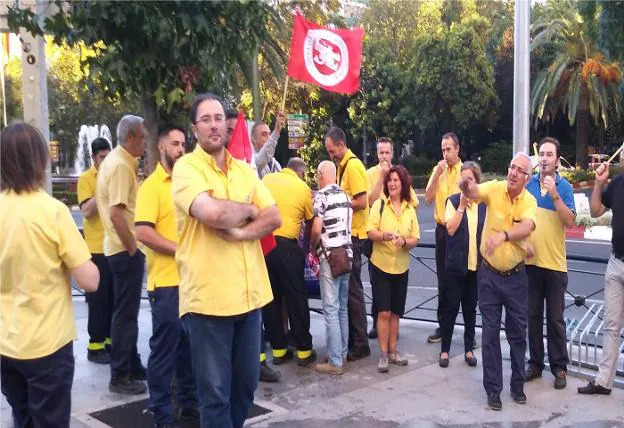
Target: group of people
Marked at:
220, 240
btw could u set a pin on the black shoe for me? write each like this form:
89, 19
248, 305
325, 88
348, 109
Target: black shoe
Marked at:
267, 374
98, 357
126, 385
560, 380
358, 353
139, 372
519, 397
532, 373
305, 362
443, 362
593, 388
284, 358
372, 334
471, 361
435, 337
494, 401
188, 414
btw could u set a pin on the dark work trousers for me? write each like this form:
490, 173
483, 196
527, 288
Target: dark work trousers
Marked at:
285, 265
128, 279
440, 256
101, 303
550, 285
39, 390
170, 354
459, 289
358, 336
512, 293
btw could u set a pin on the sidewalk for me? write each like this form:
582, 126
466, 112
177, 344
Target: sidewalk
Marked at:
419, 395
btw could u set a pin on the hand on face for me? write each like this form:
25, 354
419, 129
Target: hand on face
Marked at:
441, 166
550, 185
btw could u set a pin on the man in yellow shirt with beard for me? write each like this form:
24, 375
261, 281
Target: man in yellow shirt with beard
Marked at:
222, 211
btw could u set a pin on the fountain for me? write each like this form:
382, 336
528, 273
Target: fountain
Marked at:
83, 150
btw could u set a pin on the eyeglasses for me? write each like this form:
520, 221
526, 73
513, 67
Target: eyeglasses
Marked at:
518, 170
207, 120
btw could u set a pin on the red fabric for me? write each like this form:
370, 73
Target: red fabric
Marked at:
329, 58
239, 146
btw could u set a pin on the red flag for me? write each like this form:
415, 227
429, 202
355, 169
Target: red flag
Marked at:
240, 148
329, 58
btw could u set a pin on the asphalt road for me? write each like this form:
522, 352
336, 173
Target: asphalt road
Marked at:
585, 278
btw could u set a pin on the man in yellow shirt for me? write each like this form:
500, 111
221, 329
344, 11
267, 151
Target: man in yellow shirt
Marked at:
286, 265
222, 211
502, 279
352, 179
443, 183
116, 199
376, 175
100, 303
156, 228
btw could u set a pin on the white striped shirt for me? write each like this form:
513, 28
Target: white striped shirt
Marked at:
333, 205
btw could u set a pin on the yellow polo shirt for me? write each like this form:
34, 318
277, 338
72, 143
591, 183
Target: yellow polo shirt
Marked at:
373, 175
472, 213
353, 180
39, 244
116, 184
293, 198
92, 227
218, 277
154, 208
501, 215
448, 184
386, 256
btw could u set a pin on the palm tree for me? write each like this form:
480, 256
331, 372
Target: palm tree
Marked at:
580, 81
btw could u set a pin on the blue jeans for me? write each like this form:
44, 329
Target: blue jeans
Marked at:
335, 298
170, 353
225, 360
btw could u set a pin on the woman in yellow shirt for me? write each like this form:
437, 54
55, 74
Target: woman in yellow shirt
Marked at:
40, 246
393, 228
464, 225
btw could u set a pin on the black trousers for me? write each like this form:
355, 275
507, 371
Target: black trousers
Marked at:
373, 306
100, 303
170, 354
39, 390
358, 336
440, 256
459, 290
285, 265
549, 285
128, 274
512, 293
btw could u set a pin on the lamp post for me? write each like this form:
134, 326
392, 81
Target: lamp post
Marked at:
522, 78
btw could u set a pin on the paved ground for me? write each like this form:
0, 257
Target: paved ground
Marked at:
419, 395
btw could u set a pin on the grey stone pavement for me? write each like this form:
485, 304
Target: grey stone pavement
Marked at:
419, 395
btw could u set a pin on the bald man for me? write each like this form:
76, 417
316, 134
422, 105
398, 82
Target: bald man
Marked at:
331, 228
502, 279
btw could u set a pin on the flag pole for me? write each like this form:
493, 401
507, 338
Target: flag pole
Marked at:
283, 105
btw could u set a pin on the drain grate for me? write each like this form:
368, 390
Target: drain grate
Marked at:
134, 415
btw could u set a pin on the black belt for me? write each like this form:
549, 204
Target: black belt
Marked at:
517, 268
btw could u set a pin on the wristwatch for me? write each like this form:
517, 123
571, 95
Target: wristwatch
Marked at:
555, 197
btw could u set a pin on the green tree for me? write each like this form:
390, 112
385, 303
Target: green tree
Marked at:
159, 51
579, 82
